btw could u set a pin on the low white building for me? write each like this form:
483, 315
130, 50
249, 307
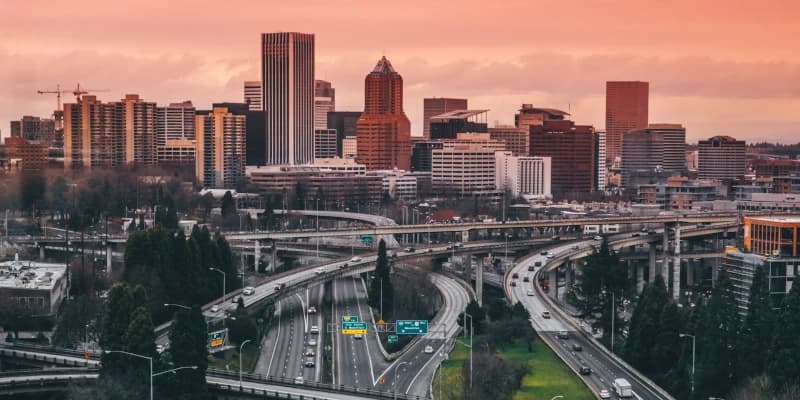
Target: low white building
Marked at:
523, 175
399, 184
35, 286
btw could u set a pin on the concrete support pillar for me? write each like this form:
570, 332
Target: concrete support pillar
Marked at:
109, 263
553, 278
665, 252
479, 281
676, 267
569, 273
639, 277
651, 259
41, 252
690, 273
465, 236
256, 253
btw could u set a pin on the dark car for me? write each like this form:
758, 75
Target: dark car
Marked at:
526, 279
577, 347
514, 275
585, 370
513, 283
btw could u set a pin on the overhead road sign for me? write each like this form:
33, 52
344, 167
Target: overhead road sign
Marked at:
354, 328
411, 327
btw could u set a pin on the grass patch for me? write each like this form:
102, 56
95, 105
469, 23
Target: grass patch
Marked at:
229, 359
549, 376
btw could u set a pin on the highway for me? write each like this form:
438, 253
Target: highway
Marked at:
604, 368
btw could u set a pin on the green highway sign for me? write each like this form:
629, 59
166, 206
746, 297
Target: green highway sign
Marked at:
411, 327
392, 338
354, 328
366, 239
349, 318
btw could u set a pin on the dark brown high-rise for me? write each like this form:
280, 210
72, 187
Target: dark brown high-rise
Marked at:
572, 149
626, 109
383, 130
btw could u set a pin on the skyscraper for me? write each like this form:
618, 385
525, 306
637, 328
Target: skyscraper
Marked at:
656, 151
572, 150
600, 160
253, 95
383, 130
721, 157
175, 134
287, 67
140, 130
436, 106
324, 102
626, 109
220, 147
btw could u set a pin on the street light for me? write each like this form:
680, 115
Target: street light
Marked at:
613, 317
241, 347
177, 305
317, 227
223, 279
150, 360
395, 378
685, 335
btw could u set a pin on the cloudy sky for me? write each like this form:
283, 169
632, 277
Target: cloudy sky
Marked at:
718, 67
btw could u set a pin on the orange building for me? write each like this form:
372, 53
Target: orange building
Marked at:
772, 235
626, 109
383, 130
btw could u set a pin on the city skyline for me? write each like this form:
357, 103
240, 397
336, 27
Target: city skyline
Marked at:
709, 85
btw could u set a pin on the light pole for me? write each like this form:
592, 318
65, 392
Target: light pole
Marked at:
317, 227
613, 317
685, 335
149, 359
223, 279
394, 383
178, 305
241, 347
381, 299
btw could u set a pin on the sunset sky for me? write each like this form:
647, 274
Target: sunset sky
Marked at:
718, 67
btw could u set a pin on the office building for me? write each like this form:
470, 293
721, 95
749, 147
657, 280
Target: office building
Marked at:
572, 150
517, 140
721, 158
350, 147
383, 130
769, 236
175, 135
692, 161
345, 124
653, 153
34, 129
253, 95
436, 106
422, 154
627, 105
786, 184
679, 193
98, 134
600, 160
529, 116
325, 143
33, 156
523, 176
767, 168
465, 165
37, 287
288, 79
450, 124
741, 267
775, 202
324, 102
397, 184
220, 148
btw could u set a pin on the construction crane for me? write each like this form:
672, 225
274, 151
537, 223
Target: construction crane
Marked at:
58, 114
79, 91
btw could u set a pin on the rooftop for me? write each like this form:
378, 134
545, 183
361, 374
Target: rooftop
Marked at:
384, 66
530, 109
793, 219
30, 274
457, 114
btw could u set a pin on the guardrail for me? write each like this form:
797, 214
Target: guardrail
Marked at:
48, 371
54, 358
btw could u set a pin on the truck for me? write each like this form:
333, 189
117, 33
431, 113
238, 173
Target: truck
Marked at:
622, 388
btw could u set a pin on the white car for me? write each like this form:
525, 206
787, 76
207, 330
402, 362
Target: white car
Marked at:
358, 336
355, 259
215, 308
314, 330
160, 348
530, 293
320, 271
312, 342
298, 380
428, 350
605, 394
248, 291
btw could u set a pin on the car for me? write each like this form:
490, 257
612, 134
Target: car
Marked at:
312, 310
428, 350
215, 308
391, 254
314, 330
514, 275
355, 259
309, 362
279, 287
513, 283
312, 342
298, 380
598, 238
410, 249
248, 291
345, 265
577, 347
635, 234
459, 245
530, 292
537, 264
546, 314
309, 353
160, 348
358, 336
235, 299
320, 271
550, 256
428, 250
585, 370
530, 268
575, 247
562, 334
605, 394
526, 279
544, 253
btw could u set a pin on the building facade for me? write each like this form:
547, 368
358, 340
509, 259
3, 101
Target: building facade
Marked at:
175, 134
345, 123
786, 184
465, 165
287, 67
220, 148
627, 105
324, 102
253, 95
35, 129
772, 236
517, 140
422, 154
350, 147
450, 124
572, 151
741, 267
436, 106
523, 176
651, 153
678, 193
338, 186
529, 116
383, 130
721, 158
600, 160
325, 143
37, 287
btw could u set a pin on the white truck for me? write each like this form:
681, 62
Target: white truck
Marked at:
622, 388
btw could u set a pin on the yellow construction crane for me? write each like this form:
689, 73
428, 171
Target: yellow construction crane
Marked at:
58, 114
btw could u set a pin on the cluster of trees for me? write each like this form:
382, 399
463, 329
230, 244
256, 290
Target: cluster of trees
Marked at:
493, 377
730, 350
177, 269
603, 274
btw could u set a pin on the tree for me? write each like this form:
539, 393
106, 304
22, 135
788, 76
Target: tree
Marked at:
477, 314
716, 371
603, 273
644, 327
32, 191
58, 195
381, 276
299, 196
242, 328
666, 350
228, 206
758, 328
497, 378
188, 336
784, 356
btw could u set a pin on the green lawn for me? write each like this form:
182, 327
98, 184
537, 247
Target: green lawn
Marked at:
549, 376
230, 358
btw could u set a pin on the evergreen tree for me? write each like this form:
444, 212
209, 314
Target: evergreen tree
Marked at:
667, 348
716, 370
758, 328
645, 326
188, 336
478, 317
784, 356
228, 206
382, 276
